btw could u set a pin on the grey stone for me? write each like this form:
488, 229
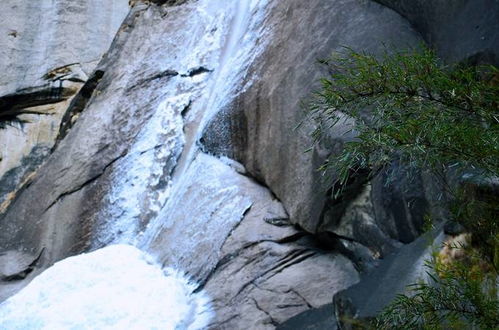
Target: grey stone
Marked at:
379, 287
258, 128
16, 265
131, 165
321, 318
39, 36
48, 50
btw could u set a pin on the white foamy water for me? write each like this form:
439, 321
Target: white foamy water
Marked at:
221, 37
120, 287
117, 287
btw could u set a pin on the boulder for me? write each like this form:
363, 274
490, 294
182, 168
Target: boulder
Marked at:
376, 289
260, 127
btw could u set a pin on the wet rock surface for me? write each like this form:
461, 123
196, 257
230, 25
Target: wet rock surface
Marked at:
320, 318
182, 140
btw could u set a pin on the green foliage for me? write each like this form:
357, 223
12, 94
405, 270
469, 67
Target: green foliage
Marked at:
408, 106
455, 297
426, 114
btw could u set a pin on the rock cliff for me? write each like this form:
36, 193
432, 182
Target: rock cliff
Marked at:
178, 127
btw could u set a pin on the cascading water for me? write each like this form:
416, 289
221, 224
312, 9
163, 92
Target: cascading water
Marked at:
153, 170
165, 188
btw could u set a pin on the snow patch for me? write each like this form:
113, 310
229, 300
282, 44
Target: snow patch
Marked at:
117, 287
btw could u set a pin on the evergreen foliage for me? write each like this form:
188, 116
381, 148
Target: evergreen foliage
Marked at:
442, 119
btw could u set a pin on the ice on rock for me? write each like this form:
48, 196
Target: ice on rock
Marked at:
117, 287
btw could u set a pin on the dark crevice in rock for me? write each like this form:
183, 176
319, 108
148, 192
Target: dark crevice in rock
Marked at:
293, 258
255, 179
227, 258
196, 71
21, 275
301, 297
237, 224
327, 240
84, 184
77, 105
292, 238
185, 110
347, 247
278, 221
13, 180
289, 305
13, 105
336, 204
271, 319
158, 76
168, 2
400, 202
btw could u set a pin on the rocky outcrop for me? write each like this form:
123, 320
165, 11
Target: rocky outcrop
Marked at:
38, 37
182, 141
49, 49
259, 127
363, 301
314, 319
237, 242
94, 190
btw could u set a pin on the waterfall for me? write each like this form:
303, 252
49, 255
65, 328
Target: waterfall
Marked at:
117, 287
207, 198
224, 42
151, 202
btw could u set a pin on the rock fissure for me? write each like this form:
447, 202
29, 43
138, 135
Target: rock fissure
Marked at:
196, 71
19, 103
271, 319
300, 296
231, 256
22, 273
77, 105
294, 258
234, 228
142, 82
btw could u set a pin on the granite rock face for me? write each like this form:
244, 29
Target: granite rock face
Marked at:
182, 141
40, 36
140, 177
259, 127
49, 49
